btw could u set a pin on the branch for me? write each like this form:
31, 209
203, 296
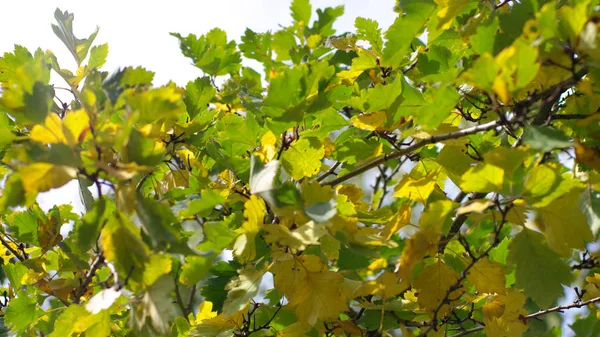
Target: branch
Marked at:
98, 262
559, 308
10, 249
458, 221
431, 140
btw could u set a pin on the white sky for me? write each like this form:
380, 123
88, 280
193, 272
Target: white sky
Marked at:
137, 33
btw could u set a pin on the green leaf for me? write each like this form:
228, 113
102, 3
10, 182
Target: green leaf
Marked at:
156, 306
97, 56
202, 207
217, 235
545, 183
483, 40
24, 226
195, 269
351, 259
564, 224
301, 11
588, 326
87, 199
303, 158
142, 150
545, 139
483, 178
88, 230
211, 52
540, 271
64, 30
157, 220
590, 205
438, 106
368, 29
214, 290
402, 32
285, 91
21, 312
123, 246
198, 94
136, 77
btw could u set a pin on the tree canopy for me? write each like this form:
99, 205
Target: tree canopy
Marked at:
439, 178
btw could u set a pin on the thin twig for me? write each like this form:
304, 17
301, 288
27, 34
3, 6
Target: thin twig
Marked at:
98, 262
10, 249
416, 146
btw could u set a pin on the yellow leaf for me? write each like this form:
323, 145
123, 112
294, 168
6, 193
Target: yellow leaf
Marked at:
318, 297
205, 312
592, 289
564, 224
254, 212
386, 286
378, 264
433, 284
370, 121
157, 266
68, 131
475, 206
294, 330
267, 150
424, 242
401, 219
299, 238
354, 193
588, 156
41, 177
487, 277
502, 315
416, 189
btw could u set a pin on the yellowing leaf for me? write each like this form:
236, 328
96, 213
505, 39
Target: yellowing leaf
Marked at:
299, 238
267, 150
66, 131
588, 156
475, 206
378, 264
319, 297
303, 158
416, 189
241, 289
424, 242
158, 265
564, 224
370, 121
254, 212
483, 178
592, 289
502, 315
487, 277
432, 284
386, 286
41, 177
401, 219
205, 312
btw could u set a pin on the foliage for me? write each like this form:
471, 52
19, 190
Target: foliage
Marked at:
438, 178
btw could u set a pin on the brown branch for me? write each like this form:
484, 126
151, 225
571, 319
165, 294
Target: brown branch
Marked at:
329, 172
559, 308
10, 249
458, 221
431, 140
98, 262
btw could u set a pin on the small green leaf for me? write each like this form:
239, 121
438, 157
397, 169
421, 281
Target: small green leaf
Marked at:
301, 11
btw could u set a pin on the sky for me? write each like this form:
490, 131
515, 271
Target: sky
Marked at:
137, 33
